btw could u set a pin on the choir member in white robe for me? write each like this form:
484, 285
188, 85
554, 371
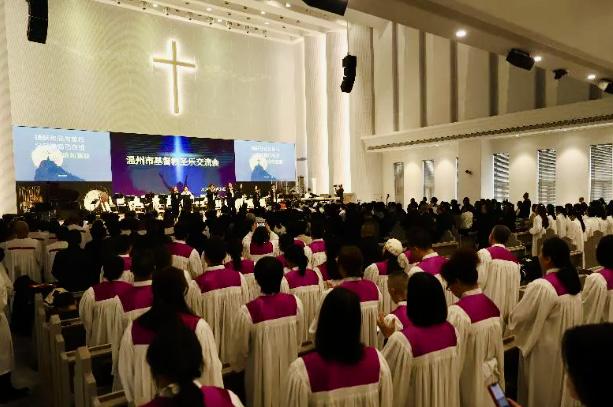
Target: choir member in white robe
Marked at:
262, 245
23, 255
406, 260
123, 247
305, 284
477, 321
169, 309
222, 292
550, 306
243, 266
540, 224
428, 261
588, 357
318, 245
175, 358
561, 221
50, 251
499, 271
267, 337
184, 257
575, 230
350, 262
100, 308
253, 224
341, 372
378, 272
397, 319
424, 357
598, 289
7, 391
286, 241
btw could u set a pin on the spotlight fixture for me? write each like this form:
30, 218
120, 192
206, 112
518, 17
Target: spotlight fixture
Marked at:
333, 6
219, 20
559, 73
288, 5
460, 33
155, 5
263, 12
350, 64
591, 77
209, 9
520, 59
606, 85
538, 58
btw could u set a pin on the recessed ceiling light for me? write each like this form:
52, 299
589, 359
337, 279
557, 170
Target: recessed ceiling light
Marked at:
219, 20
155, 5
460, 33
591, 77
538, 58
209, 9
288, 5
267, 23
262, 12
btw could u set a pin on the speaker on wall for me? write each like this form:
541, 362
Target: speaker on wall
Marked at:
333, 6
350, 64
38, 12
520, 59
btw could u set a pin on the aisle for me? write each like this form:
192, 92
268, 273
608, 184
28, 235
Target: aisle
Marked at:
24, 375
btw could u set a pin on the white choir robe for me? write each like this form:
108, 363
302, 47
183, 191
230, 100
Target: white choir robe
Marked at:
591, 225
433, 263
318, 250
23, 257
561, 225
185, 257
266, 341
377, 273
603, 226
597, 297
101, 312
537, 231
50, 251
477, 321
538, 322
213, 396
315, 382
309, 290
268, 249
425, 366
552, 224
247, 242
135, 373
6, 341
221, 293
247, 267
500, 277
574, 232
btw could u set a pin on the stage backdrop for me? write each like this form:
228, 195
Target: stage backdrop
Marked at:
143, 163
262, 161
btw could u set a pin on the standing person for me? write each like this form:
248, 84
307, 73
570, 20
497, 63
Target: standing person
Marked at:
184, 257
424, 357
342, 372
598, 289
73, 267
397, 320
477, 320
175, 201
175, 359
378, 272
526, 207
340, 193
262, 245
550, 306
210, 197
273, 194
540, 224
243, 266
267, 336
230, 197
256, 197
186, 200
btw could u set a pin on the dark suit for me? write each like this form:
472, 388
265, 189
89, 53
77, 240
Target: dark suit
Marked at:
74, 269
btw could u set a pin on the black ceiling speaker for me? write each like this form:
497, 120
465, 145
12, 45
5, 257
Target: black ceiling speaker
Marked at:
559, 73
37, 20
520, 59
606, 85
350, 64
333, 6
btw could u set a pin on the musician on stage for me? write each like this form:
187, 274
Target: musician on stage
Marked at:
256, 197
210, 197
230, 196
340, 192
187, 198
273, 194
175, 201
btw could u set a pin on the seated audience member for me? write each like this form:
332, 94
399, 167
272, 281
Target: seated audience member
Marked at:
222, 292
267, 336
8, 393
477, 320
550, 306
175, 359
318, 245
329, 269
123, 248
397, 320
100, 308
499, 271
378, 272
341, 371
244, 266
23, 254
262, 245
139, 298
73, 267
598, 289
424, 357
285, 241
184, 257
168, 310
427, 260
253, 223
587, 355
305, 284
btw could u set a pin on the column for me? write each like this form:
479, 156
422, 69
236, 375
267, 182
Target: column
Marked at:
8, 198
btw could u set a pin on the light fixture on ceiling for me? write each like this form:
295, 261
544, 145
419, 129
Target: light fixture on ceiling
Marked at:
209, 9
263, 12
219, 20
591, 77
267, 23
288, 5
538, 58
155, 5
460, 33
520, 59
606, 85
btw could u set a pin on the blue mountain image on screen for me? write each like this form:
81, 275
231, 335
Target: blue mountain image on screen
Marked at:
260, 174
48, 170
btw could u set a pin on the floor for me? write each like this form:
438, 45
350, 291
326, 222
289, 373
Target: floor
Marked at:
25, 375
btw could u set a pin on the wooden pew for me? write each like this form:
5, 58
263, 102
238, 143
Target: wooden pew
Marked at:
115, 399
445, 249
64, 335
524, 238
93, 377
518, 251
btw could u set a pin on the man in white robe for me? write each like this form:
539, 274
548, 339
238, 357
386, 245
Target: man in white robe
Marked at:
23, 255
267, 337
184, 257
598, 289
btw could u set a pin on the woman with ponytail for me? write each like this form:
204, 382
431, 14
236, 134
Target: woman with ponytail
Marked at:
243, 266
305, 284
378, 272
550, 306
175, 359
576, 228
168, 313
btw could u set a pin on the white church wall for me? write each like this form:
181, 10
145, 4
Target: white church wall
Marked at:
92, 75
7, 180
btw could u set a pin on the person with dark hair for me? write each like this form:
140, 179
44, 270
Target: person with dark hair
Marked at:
123, 248
175, 359
139, 298
540, 224
318, 244
550, 306
424, 357
378, 272
341, 371
168, 311
499, 271
262, 245
328, 270
51, 251
23, 253
426, 259
220, 292
525, 207
575, 228
598, 289
267, 336
184, 257
100, 305
98, 247
397, 319
73, 268
243, 266
305, 284
252, 223
477, 320
587, 355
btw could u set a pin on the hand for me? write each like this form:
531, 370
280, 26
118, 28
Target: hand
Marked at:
386, 329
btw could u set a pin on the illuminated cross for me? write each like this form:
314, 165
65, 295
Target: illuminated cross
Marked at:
175, 68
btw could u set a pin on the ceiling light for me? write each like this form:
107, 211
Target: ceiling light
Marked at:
155, 5
460, 33
219, 20
209, 9
591, 77
262, 12
267, 23
288, 5
538, 58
